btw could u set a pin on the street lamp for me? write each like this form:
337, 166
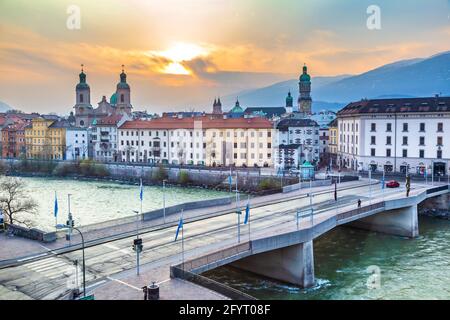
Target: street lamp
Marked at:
63, 226
164, 200
137, 243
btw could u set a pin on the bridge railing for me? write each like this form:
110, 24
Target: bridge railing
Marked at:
358, 211
216, 257
231, 293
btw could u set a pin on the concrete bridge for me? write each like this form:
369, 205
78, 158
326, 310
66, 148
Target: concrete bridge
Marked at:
286, 252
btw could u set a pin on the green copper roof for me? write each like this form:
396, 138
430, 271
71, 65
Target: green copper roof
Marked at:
289, 100
305, 77
113, 99
82, 85
237, 108
123, 81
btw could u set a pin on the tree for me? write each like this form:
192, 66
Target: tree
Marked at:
14, 201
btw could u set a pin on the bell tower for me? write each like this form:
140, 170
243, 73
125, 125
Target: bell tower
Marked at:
123, 94
83, 107
304, 99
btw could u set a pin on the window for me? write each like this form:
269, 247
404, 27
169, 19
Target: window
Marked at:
439, 154
388, 127
422, 141
440, 127
373, 140
81, 98
388, 153
439, 141
122, 98
421, 154
373, 127
372, 152
388, 140
405, 127
422, 127
405, 153
405, 141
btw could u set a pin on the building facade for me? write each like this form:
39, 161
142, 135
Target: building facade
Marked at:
45, 138
13, 141
198, 140
401, 135
77, 143
300, 137
104, 137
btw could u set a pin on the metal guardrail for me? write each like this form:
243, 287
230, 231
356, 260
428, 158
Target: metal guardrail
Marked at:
355, 212
437, 189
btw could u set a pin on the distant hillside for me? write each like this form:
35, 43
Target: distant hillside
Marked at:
4, 107
406, 78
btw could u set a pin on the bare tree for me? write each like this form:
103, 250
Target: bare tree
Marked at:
14, 201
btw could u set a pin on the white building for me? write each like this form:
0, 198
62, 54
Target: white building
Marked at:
210, 141
104, 137
77, 143
298, 140
402, 135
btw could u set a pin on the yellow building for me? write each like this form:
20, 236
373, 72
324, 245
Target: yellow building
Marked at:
333, 143
46, 139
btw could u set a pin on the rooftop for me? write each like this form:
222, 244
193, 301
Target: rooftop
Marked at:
403, 105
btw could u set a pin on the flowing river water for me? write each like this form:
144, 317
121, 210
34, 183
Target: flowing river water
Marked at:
98, 201
410, 268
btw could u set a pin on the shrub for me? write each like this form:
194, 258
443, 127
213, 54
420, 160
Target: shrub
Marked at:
268, 184
184, 178
160, 174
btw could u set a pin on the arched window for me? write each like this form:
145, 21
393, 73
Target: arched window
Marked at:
122, 98
81, 98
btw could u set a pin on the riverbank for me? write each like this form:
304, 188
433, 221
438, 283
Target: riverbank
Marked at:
88, 170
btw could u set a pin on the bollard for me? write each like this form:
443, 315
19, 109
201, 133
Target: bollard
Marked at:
145, 290
153, 292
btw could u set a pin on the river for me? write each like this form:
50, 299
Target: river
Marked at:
98, 201
410, 268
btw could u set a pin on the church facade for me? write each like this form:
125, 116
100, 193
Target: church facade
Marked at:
86, 115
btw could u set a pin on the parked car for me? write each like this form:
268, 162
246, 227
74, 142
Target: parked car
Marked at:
393, 184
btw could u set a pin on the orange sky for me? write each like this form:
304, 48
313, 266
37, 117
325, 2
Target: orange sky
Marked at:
179, 54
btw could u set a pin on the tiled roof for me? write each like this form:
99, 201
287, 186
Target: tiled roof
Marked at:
109, 120
404, 105
60, 124
288, 123
206, 123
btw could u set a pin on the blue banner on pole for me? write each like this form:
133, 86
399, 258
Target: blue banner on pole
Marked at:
141, 192
180, 226
55, 210
247, 213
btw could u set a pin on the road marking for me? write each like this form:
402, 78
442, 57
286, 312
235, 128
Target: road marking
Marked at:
124, 283
159, 283
96, 284
111, 246
32, 257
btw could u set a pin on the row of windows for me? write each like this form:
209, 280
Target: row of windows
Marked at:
405, 127
405, 153
373, 141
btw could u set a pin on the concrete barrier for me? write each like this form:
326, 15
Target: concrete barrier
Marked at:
33, 234
155, 214
305, 184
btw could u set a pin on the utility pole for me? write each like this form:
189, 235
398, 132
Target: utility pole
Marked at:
70, 222
164, 200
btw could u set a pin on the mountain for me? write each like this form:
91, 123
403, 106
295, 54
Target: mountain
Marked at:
4, 107
405, 78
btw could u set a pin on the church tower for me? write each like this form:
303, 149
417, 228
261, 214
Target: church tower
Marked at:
83, 107
304, 99
217, 107
123, 104
289, 103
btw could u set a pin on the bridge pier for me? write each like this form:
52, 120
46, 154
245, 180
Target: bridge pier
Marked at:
293, 264
399, 222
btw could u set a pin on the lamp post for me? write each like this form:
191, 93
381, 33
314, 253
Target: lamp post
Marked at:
137, 243
164, 201
63, 226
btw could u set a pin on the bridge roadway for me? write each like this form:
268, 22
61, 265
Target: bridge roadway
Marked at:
110, 267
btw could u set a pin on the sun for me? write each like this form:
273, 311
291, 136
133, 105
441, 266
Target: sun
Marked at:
178, 53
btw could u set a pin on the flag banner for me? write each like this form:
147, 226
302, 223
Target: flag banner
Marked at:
55, 210
230, 180
180, 226
141, 192
247, 213
383, 184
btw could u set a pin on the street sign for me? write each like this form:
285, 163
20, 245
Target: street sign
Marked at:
90, 297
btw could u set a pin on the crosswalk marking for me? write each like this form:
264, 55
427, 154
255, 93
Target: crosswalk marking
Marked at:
51, 268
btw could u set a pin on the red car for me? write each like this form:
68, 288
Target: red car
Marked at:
393, 184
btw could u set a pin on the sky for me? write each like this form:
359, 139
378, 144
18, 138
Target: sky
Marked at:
181, 54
